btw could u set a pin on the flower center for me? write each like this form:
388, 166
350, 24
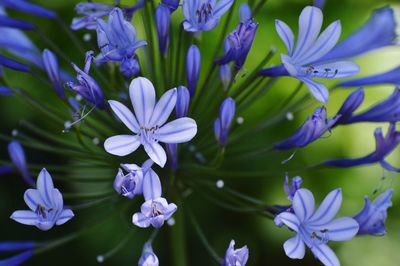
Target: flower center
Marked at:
42, 212
204, 12
147, 134
155, 209
128, 185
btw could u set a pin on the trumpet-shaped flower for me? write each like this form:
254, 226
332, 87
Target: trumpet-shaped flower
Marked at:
148, 123
372, 217
46, 205
303, 60
118, 42
203, 15
235, 257
316, 229
384, 146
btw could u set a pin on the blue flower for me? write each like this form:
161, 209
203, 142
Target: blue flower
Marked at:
12, 64
304, 61
319, 3
193, 65
351, 104
245, 12
372, 217
390, 77
148, 258
118, 42
155, 210
182, 102
130, 184
163, 21
314, 127
148, 123
16, 259
235, 257
171, 4
384, 146
223, 123
91, 12
87, 86
203, 15
46, 205
50, 63
15, 23
316, 229
291, 190
379, 31
25, 6
225, 75
238, 44
17, 155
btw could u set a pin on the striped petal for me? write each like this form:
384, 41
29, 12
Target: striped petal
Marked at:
64, 217
163, 108
328, 208
122, 145
151, 186
294, 248
286, 35
156, 153
45, 187
290, 220
125, 115
140, 220
25, 217
318, 90
340, 229
177, 131
303, 204
143, 97
326, 255
33, 199
221, 7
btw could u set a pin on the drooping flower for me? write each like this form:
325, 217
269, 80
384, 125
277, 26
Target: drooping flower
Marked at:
12, 64
384, 146
155, 210
46, 205
390, 77
27, 7
223, 123
238, 44
50, 63
148, 258
235, 257
6, 21
87, 86
373, 215
305, 60
193, 65
203, 15
316, 229
17, 155
118, 42
314, 127
148, 123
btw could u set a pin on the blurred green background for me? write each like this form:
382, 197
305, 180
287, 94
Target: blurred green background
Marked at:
263, 238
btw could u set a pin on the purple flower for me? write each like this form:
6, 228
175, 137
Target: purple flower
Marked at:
15, 23
90, 13
130, 184
193, 64
235, 257
118, 42
390, 77
171, 4
50, 63
45, 203
351, 104
245, 12
203, 15
238, 44
12, 64
304, 61
372, 217
148, 123
148, 258
182, 102
384, 146
25, 6
155, 210
17, 155
87, 86
163, 21
314, 127
291, 190
5, 91
316, 229
223, 123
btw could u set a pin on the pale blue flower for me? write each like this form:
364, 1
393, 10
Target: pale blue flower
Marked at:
148, 258
193, 66
235, 257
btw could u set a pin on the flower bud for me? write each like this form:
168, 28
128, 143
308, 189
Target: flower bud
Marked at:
193, 64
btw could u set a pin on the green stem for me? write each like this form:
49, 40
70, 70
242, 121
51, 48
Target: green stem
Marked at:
177, 237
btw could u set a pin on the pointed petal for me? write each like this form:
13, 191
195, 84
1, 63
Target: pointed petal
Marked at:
326, 255
286, 35
25, 217
140, 220
290, 220
335, 70
125, 115
177, 131
32, 198
65, 216
156, 153
151, 186
318, 90
303, 204
163, 108
328, 208
294, 248
221, 7
122, 145
340, 229
16, 259
45, 187
143, 97
171, 209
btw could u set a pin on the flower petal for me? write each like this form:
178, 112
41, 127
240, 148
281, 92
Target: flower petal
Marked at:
156, 153
143, 99
171, 209
25, 217
303, 204
140, 220
335, 70
318, 90
65, 216
122, 145
326, 255
341, 229
32, 198
286, 35
221, 7
163, 108
151, 185
177, 131
45, 187
125, 115
328, 208
16, 259
294, 248
290, 220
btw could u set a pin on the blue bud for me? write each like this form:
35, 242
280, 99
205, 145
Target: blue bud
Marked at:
225, 75
129, 66
182, 102
350, 105
163, 21
50, 63
224, 121
319, 3
17, 259
4, 91
171, 4
15, 23
172, 151
245, 12
10, 63
29, 8
17, 155
193, 64
148, 258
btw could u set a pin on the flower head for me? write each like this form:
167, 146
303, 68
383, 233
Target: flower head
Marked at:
203, 15
148, 258
46, 205
372, 217
235, 257
316, 229
148, 123
223, 123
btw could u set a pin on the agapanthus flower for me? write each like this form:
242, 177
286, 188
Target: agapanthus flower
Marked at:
304, 60
90, 13
182, 102
27, 7
163, 21
235, 257
118, 42
238, 44
314, 127
12, 64
223, 123
373, 215
45, 203
245, 12
319, 3
6, 21
50, 63
203, 15
87, 86
148, 123
130, 184
18, 157
155, 210
315, 229
171, 4
384, 146
291, 190
389, 77
193, 65
148, 258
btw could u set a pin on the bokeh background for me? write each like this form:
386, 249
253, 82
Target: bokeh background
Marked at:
220, 226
